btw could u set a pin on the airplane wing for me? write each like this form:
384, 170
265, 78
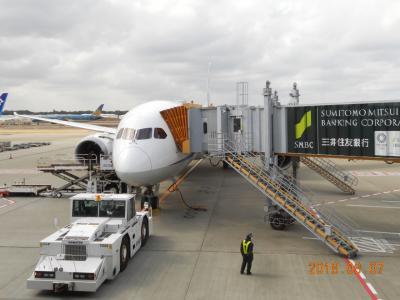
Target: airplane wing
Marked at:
72, 124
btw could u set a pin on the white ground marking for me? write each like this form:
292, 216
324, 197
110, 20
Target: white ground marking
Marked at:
19, 171
374, 173
369, 244
372, 288
385, 232
372, 206
391, 201
364, 282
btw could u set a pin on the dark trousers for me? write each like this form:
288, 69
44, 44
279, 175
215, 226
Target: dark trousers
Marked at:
247, 260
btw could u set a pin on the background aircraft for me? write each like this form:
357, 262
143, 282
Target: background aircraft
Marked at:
3, 99
97, 114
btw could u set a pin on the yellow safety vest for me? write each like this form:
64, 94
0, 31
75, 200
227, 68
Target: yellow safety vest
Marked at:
245, 245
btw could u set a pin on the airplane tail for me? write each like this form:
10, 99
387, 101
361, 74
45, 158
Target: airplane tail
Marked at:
98, 111
3, 99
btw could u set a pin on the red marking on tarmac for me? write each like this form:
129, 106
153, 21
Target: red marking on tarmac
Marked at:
362, 281
10, 202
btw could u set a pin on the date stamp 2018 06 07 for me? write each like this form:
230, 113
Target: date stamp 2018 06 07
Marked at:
334, 268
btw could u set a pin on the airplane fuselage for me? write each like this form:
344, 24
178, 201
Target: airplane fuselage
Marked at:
74, 117
144, 150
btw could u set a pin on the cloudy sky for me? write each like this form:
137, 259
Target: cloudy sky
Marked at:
75, 54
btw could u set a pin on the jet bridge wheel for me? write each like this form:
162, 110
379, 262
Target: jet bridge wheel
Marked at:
277, 221
145, 231
124, 253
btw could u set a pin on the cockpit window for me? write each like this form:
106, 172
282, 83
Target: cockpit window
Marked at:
144, 134
131, 134
126, 133
120, 133
159, 133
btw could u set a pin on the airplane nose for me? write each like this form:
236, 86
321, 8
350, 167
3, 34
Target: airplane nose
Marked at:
129, 161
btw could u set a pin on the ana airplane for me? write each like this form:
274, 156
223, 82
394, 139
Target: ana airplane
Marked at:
143, 149
95, 115
3, 99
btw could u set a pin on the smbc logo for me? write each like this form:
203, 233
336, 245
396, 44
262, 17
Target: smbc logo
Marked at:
303, 124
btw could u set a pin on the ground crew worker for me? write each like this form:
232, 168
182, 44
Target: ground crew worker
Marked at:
246, 248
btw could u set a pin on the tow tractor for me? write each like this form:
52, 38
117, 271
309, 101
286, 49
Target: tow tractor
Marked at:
105, 232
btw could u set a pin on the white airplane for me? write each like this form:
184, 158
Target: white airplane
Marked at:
143, 149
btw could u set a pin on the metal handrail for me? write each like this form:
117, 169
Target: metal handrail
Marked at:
332, 168
59, 159
285, 183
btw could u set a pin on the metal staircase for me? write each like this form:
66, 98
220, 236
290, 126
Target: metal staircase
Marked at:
285, 193
330, 171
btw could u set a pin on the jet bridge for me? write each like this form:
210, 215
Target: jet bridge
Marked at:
285, 135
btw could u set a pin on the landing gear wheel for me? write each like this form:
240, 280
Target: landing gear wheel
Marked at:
154, 202
276, 221
112, 188
145, 231
124, 254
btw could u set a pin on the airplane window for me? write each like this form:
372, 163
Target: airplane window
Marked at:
125, 134
131, 134
159, 133
144, 134
120, 133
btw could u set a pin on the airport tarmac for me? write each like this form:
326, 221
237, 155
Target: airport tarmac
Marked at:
195, 255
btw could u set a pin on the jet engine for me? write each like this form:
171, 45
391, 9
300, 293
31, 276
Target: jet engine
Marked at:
93, 146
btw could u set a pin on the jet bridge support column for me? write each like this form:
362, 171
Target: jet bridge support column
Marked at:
268, 150
268, 147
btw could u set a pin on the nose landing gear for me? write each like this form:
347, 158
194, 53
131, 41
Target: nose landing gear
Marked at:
150, 196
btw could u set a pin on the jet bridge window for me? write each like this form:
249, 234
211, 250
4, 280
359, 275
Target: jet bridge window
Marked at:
159, 133
144, 134
112, 209
84, 208
237, 124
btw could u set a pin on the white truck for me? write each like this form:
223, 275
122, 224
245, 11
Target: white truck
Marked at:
105, 232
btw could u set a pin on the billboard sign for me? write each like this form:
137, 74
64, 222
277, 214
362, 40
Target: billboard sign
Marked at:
371, 129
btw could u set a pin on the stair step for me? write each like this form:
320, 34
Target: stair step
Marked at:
292, 204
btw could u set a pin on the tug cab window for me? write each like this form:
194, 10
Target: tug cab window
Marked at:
84, 208
159, 133
144, 134
112, 209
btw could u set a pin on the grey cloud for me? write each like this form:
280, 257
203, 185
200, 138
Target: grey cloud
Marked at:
78, 53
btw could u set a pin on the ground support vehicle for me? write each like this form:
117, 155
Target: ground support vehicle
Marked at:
105, 232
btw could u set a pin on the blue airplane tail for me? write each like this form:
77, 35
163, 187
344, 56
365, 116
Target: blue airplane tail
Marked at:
98, 111
3, 99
